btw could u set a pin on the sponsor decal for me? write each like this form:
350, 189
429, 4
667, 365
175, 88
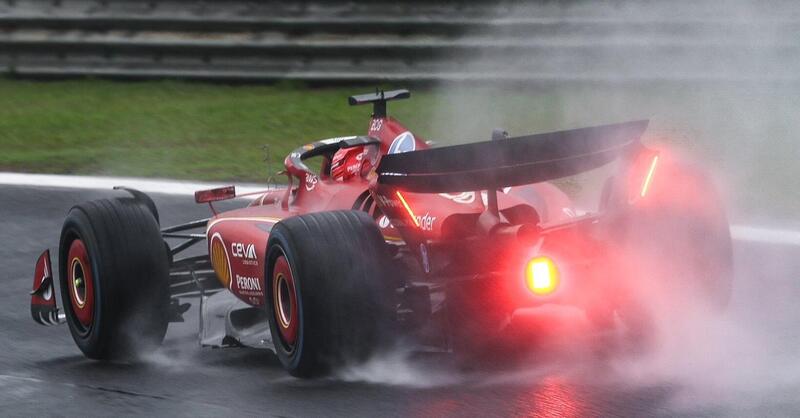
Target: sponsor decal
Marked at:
240, 250
404, 142
426, 222
403, 223
569, 212
376, 125
311, 181
464, 197
248, 283
354, 169
246, 252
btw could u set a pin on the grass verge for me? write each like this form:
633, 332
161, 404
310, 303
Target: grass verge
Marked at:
203, 131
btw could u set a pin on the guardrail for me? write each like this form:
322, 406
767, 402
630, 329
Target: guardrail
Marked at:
383, 41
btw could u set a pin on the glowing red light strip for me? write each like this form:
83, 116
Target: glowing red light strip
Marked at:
408, 208
649, 177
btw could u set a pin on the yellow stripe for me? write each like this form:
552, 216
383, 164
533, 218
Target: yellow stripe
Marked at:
249, 219
408, 209
271, 220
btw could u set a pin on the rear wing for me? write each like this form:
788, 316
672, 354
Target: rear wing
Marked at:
510, 161
492, 165
378, 100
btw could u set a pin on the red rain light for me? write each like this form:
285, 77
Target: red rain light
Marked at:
541, 276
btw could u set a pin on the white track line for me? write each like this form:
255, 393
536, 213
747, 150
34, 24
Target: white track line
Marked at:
172, 187
739, 232
766, 235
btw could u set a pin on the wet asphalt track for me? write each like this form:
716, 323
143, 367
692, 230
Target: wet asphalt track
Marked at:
43, 373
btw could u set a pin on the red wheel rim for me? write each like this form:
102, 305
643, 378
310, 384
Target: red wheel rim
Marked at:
80, 284
284, 300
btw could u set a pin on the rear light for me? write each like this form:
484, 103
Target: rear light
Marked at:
213, 195
541, 276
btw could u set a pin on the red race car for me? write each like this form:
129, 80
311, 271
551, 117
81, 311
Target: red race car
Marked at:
394, 238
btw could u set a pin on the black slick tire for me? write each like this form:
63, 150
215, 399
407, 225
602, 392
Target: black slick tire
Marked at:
129, 265
343, 288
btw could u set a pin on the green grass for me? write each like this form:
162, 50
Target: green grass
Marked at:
164, 129
216, 132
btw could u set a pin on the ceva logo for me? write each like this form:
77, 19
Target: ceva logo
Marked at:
247, 251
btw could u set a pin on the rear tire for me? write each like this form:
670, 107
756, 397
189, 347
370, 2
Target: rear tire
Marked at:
686, 225
114, 279
681, 232
330, 291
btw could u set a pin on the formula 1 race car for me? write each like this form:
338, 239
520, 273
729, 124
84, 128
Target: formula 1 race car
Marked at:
394, 238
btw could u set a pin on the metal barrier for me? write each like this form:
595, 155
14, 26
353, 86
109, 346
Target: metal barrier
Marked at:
391, 41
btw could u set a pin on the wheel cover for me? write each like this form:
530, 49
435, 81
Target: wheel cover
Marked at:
80, 283
284, 301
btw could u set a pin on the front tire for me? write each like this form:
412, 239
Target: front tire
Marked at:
330, 291
114, 279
